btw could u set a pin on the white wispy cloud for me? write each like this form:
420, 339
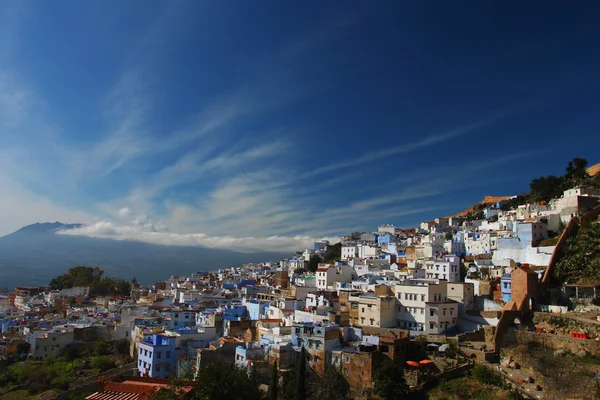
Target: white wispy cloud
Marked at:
424, 142
15, 100
149, 234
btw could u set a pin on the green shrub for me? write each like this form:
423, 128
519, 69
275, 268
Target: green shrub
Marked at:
101, 348
122, 347
486, 376
103, 363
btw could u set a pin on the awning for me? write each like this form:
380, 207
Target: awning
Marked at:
444, 347
425, 362
433, 346
413, 364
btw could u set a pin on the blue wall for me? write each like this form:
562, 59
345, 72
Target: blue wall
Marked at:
157, 357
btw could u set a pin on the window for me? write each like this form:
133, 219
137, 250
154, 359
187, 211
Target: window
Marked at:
431, 312
168, 354
346, 371
431, 325
422, 297
158, 368
158, 354
444, 312
362, 361
422, 311
450, 311
140, 363
347, 359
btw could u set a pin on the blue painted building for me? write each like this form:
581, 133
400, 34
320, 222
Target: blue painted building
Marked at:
385, 239
5, 324
256, 308
156, 357
506, 288
235, 312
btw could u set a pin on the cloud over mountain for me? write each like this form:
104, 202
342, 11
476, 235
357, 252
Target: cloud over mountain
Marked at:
150, 233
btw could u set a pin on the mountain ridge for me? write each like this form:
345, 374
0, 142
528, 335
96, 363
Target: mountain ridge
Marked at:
486, 200
34, 254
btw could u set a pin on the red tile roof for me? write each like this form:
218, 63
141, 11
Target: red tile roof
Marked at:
108, 395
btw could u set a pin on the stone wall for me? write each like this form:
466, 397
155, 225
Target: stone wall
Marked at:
557, 342
476, 336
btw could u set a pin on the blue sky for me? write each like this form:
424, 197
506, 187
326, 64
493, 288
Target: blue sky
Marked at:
266, 124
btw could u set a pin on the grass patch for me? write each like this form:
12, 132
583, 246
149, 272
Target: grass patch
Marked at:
589, 359
16, 395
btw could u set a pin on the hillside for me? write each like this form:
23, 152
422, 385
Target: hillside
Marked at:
594, 170
486, 200
35, 254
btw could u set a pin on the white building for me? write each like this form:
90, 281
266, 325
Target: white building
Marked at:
519, 247
349, 252
424, 306
480, 243
296, 264
386, 228
368, 251
327, 275
378, 311
49, 343
448, 268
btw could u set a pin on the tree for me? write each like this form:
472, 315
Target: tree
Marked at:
301, 376
580, 260
475, 215
422, 341
313, 263
72, 353
577, 170
330, 386
101, 348
23, 348
389, 382
546, 188
333, 253
103, 363
92, 277
274, 384
122, 347
222, 380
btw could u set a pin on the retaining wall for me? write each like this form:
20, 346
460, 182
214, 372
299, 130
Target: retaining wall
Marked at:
515, 336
